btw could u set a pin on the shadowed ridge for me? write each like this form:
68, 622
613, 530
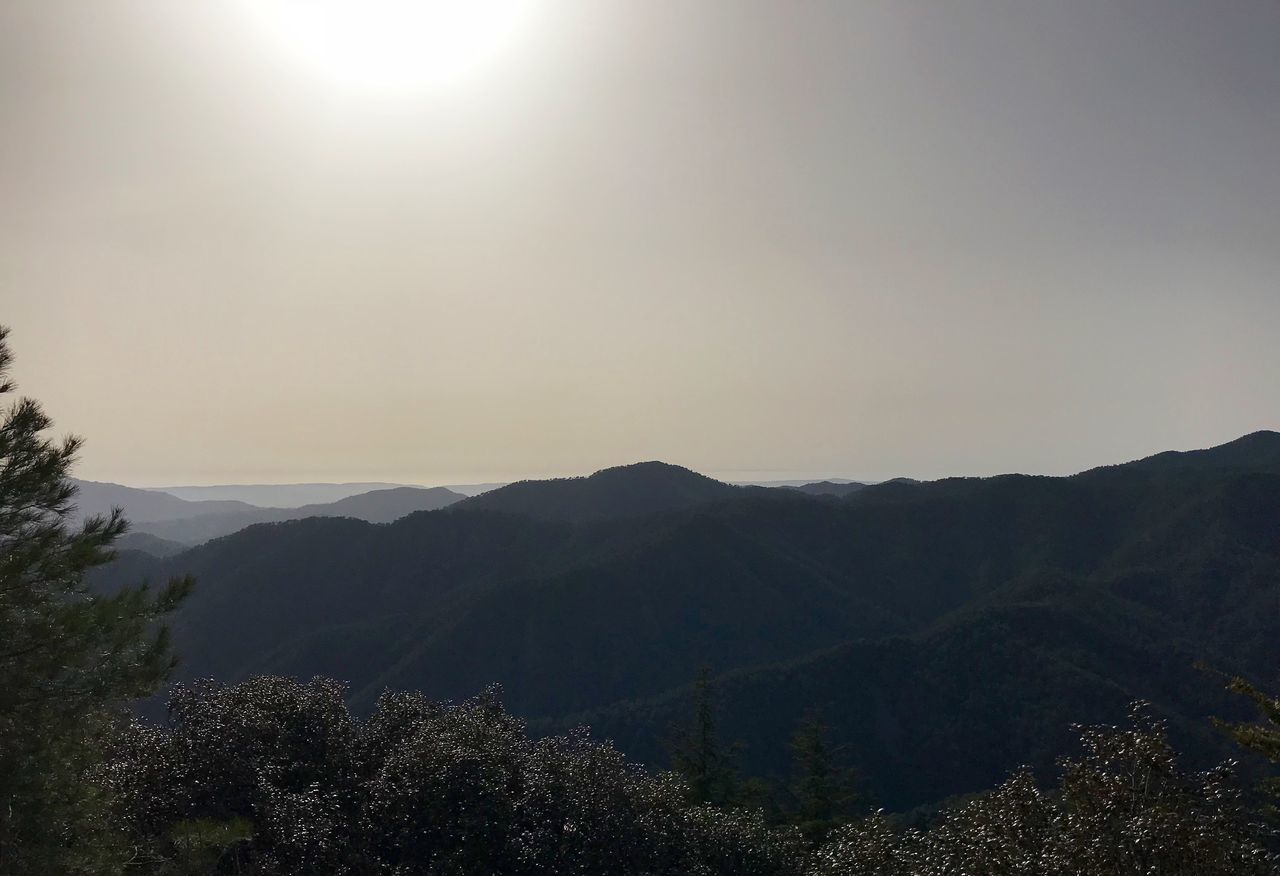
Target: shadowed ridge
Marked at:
653, 471
1255, 452
145, 506
384, 506
621, 491
375, 506
828, 488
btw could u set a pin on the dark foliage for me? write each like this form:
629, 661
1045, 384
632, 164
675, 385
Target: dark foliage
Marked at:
699, 756
272, 776
1124, 807
1262, 737
67, 657
823, 792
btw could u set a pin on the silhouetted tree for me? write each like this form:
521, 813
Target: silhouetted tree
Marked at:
824, 792
1261, 737
698, 754
67, 656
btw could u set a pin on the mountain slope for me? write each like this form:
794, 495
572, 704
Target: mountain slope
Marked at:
624, 491
149, 544
143, 506
1256, 452
736, 583
938, 622
279, 495
377, 506
952, 710
383, 506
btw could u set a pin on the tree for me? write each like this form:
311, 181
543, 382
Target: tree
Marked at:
1127, 806
824, 792
1262, 737
67, 656
699, 756
1124, 806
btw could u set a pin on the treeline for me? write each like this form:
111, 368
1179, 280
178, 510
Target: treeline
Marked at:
271, 776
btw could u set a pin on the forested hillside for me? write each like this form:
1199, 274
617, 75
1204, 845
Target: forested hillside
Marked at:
950, 630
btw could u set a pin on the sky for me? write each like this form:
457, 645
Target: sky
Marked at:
864, 238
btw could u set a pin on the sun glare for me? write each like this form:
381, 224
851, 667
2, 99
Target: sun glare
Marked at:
393, 45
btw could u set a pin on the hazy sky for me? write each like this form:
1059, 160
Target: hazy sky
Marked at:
847, 238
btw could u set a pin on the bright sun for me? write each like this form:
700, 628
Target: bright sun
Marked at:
393, 45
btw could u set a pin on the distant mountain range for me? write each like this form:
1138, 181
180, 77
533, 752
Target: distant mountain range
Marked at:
948, 631
164, 520
277, 495
297, 495
159, 521
841, 488
145, 506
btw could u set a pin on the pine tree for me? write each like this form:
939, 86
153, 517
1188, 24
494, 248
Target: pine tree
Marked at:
699, 756
824, 792
1262, 737
68, 657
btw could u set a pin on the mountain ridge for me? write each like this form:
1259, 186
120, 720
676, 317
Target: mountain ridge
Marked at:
619, 491
1045, 594
96, 498
166, 519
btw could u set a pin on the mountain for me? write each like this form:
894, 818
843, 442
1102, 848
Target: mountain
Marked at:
475, 489
143, 506
376, 506
278, 495
948, 630
840, 489
149, 544
791, 483
1259, 451
384, 506
158, 518
997, 682
624, 491
828, 488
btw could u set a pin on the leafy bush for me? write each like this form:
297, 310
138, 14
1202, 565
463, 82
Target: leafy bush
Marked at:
1123, 807
418, 787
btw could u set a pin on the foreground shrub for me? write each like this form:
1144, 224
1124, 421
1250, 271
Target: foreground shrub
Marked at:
419, 787
275, 777
1124, 807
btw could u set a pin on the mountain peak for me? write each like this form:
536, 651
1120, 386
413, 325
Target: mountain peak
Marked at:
1256, 452
620, 491
1263, 438
650, 469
